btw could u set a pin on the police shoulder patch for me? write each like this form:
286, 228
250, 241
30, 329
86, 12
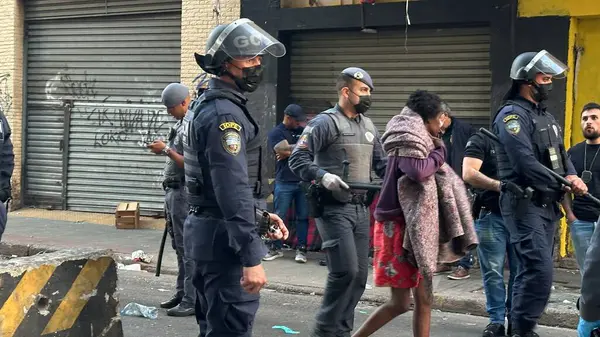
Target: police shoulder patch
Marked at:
230, 125
510, 118
513, 127
232, 142
303, 141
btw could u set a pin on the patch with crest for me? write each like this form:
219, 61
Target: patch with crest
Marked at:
232, 142
513, 127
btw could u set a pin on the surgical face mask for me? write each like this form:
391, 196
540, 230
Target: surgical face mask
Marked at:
541, 92
364, 103
251, 78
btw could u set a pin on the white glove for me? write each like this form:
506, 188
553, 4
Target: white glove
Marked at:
333, 182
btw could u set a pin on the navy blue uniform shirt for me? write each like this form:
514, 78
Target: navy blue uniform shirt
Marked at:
7, 158
222, 130
278, 134
514, 126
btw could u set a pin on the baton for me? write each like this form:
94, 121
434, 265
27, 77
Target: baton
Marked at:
557, 176
363, 186
162, 249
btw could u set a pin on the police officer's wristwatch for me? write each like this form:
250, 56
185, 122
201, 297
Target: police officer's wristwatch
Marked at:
166, 150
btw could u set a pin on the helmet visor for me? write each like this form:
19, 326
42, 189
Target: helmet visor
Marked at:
244, 40
547, 64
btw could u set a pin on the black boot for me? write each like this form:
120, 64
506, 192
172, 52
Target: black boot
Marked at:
494, 330
172, 303
182, 310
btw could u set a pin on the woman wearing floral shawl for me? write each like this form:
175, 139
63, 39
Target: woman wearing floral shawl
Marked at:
423, 215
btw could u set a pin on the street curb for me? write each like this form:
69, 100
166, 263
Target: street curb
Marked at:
22, 250
449, 302
455, 302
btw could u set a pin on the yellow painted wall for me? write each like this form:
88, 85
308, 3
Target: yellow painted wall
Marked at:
587, 86
583, 81
578, 8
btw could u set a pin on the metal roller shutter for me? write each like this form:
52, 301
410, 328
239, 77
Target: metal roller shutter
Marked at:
453, 63
93, 98
53, 9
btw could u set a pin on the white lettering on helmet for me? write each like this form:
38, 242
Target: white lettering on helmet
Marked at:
245, 41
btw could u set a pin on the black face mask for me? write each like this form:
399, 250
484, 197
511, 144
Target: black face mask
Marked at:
251, 78
364, 103
541, 92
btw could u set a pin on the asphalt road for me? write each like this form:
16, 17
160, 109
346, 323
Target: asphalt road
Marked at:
291, 310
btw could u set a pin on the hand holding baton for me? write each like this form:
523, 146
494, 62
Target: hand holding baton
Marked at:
555, 175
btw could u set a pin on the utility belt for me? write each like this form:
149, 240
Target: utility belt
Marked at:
546, 198
174, 183
536, 197
206, 210
318, 197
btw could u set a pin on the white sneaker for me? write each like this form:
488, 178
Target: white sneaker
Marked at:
300, 257
272, 255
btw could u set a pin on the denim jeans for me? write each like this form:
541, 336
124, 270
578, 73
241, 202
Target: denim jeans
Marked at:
284, 194
584, 328
466, 261
494, 244
581, 233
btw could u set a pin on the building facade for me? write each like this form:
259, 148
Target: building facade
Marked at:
80, 83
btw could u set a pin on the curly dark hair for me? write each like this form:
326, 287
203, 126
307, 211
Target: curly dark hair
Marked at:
428, 105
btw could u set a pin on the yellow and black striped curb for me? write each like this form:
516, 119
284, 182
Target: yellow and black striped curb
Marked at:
64, 293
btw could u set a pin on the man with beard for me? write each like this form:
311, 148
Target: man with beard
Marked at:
338, 142
582, 214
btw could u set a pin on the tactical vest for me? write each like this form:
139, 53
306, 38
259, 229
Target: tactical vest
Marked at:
546, 142
353, 145
193, 174
172, 172
192, 168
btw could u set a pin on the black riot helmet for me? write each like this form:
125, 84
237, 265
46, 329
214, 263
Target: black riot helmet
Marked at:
240, 40
527, 65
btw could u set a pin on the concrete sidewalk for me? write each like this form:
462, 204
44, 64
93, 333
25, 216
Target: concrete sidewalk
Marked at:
284, 274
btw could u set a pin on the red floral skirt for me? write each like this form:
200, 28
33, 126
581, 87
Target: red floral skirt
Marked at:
390, 266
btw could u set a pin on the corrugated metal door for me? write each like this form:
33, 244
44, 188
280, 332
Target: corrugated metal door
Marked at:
93, 100
453, 63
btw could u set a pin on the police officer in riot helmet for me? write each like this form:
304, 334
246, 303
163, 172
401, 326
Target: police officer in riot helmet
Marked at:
531, 140
220, 232
338, 146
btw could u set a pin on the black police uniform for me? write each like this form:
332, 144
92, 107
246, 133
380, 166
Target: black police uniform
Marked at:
531, 139
330, 138
7, 165
220, 233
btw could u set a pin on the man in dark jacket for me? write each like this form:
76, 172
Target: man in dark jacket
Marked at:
456, 135
7, 164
